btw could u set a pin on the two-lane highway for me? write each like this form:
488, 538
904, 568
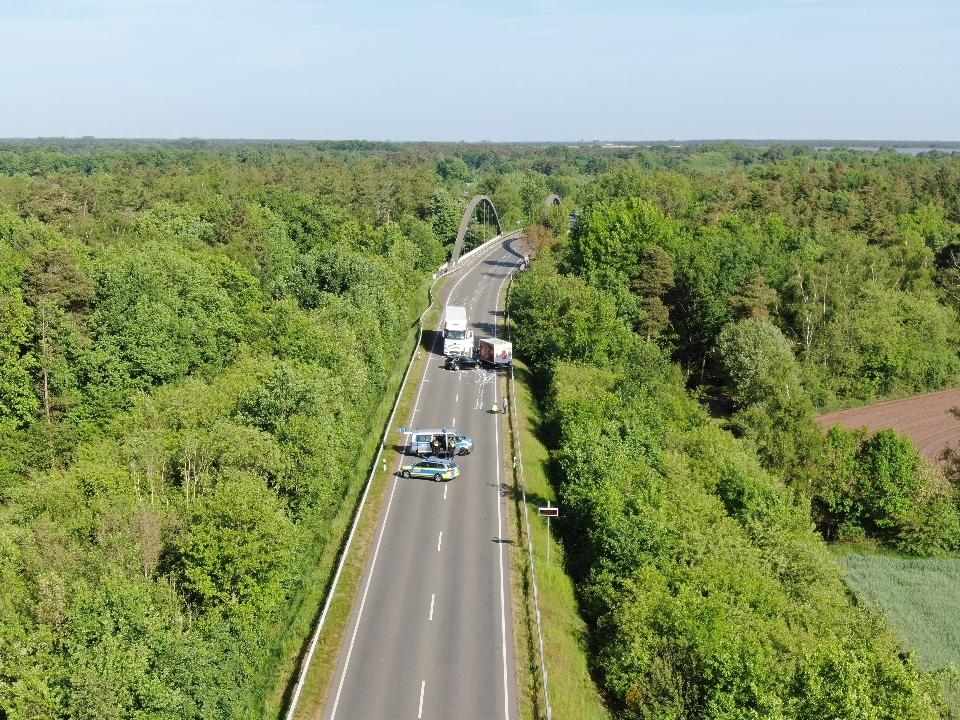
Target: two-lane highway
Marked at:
431, 633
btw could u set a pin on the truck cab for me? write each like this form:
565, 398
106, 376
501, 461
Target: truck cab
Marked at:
457, 339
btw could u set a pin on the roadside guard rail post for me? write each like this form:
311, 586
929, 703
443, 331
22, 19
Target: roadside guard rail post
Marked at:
518, 468
315, 638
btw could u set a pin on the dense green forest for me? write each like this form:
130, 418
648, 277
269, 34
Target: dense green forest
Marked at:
196, 337
761, 287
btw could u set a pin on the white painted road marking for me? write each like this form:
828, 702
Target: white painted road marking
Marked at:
423, 684
383, 527
503, 617
433, 596
445, 492
439, 540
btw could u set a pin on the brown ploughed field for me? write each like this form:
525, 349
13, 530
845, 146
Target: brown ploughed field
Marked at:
925, 419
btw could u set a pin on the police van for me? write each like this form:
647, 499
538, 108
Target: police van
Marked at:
442, 442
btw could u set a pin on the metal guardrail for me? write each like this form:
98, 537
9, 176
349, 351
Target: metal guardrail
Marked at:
518, 467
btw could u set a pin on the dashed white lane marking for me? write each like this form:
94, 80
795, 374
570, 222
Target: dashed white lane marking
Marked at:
423, 684
439, 540
383, 527
457, 398
433, 596
454, 423
444, 492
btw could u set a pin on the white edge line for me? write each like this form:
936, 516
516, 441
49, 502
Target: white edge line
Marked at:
503, 618
295, 699
373, 563
533, 567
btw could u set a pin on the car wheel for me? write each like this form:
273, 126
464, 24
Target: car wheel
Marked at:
405, 473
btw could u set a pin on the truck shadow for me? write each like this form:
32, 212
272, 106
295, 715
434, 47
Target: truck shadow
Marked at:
431, 341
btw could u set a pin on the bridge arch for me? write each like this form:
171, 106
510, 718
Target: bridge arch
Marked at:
465, 222
552, 200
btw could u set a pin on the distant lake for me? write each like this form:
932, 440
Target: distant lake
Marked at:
918, 150
901, 150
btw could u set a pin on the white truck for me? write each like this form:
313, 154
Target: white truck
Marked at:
457, 340
494, 352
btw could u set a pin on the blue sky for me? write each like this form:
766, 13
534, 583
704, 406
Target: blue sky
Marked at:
499, 70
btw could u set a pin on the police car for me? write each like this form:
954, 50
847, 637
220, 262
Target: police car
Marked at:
432, 468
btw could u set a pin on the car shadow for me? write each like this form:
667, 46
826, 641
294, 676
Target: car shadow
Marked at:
421, 479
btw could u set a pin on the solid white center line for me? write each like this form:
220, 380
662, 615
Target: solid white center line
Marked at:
433, 596
439, 540
423, 684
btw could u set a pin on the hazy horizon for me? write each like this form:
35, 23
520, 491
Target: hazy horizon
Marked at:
857, 142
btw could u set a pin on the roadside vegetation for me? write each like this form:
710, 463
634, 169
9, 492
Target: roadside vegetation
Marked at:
196, 343
767, 291
573, 692
188, 390
196, 339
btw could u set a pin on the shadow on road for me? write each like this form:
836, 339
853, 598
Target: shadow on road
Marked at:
501, 263
431, 341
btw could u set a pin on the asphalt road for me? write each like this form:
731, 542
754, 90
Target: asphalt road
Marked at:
431, 633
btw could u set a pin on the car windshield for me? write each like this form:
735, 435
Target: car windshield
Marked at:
456, 334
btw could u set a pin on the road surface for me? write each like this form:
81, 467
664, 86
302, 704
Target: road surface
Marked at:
431, 632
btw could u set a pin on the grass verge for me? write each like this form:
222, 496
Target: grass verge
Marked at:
319, 572
573, 693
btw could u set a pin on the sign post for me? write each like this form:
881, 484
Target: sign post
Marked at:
548, 512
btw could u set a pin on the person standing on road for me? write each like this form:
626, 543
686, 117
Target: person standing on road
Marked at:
506, 404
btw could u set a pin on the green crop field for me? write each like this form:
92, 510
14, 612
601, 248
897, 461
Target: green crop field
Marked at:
919, 597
